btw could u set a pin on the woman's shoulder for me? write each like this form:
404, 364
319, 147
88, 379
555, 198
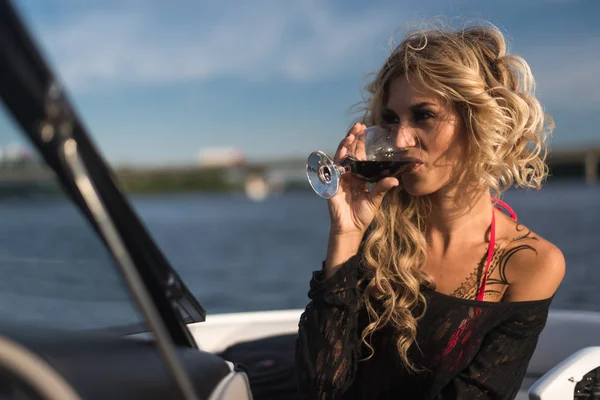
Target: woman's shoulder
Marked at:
534, 266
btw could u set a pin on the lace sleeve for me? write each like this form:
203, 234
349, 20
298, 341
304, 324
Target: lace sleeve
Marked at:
498, 369
328, 345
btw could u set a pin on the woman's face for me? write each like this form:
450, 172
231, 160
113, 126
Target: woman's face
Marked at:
430, 129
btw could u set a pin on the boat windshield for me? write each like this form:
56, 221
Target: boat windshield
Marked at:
55, 269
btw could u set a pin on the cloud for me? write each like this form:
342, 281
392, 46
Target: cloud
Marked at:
129, 42
117, 43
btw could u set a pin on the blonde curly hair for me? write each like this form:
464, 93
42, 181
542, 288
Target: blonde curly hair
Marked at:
494, 94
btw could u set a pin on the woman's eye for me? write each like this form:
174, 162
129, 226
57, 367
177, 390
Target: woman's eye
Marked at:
423, 115
389, 118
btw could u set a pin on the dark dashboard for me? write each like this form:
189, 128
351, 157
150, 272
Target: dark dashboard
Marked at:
103, 366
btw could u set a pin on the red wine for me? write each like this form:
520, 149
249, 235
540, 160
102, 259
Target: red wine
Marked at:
373, 171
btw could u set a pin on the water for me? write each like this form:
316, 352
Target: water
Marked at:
235, 254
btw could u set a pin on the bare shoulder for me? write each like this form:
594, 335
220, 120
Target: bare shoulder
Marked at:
534, 266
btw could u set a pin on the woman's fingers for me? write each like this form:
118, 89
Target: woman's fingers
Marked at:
375, 196
342, 149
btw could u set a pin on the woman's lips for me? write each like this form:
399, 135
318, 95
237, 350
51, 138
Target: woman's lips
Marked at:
416, 166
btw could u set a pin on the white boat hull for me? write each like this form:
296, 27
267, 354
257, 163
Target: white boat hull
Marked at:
220, 331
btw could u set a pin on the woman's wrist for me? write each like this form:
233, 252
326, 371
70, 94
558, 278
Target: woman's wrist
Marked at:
340, 248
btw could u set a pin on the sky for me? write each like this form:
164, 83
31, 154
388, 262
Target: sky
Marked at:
157, 82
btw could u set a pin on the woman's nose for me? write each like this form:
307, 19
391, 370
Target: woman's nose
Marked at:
405, 136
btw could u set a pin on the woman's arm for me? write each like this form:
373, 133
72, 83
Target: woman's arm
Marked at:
328, 345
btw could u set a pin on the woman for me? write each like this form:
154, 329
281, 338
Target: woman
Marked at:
429, 290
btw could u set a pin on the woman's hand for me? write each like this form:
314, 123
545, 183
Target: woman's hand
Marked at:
353, 207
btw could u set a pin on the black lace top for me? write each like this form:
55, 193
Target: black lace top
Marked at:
470, 349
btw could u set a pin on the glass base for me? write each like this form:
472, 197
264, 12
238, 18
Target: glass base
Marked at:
323, 175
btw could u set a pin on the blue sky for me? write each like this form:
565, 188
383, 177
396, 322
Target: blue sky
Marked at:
157, 81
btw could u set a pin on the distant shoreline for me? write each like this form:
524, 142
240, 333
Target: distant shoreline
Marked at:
217, 182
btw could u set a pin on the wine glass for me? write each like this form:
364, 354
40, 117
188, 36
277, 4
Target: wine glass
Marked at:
371, 157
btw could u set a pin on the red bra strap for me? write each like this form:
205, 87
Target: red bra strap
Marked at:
502, 204
490, 254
